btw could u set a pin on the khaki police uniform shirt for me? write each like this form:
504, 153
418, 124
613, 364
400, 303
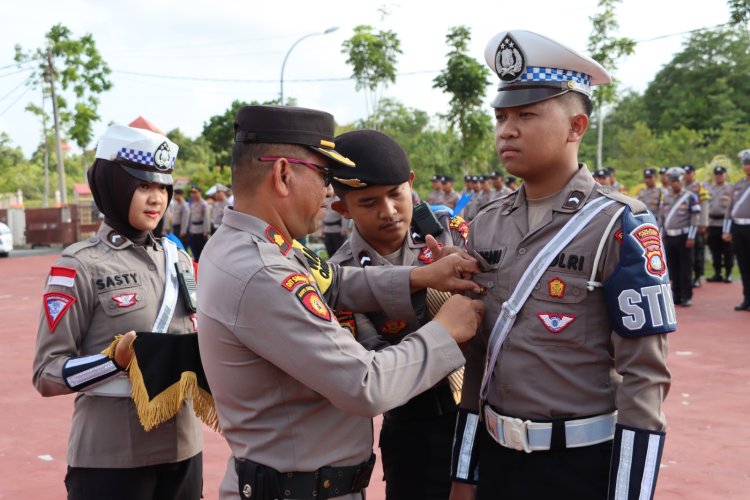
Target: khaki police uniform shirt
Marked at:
721, 197
704, 196
105, 431
480, 199
196, 219
217, 212
687, 214
652, 198
450, 199
377, 330
499, 193
293, 389
436, 198
735, 210
586, 368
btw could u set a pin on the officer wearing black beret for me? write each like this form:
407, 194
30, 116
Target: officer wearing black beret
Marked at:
651, 195
436, 196
722, 255
450, 197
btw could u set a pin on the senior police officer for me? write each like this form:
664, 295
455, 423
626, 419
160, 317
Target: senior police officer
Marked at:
294, 391
679, 218
574, 338
651, 195
416, 437
722, 256
120, 281
737, 228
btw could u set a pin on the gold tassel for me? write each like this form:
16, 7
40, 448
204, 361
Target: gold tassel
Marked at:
435, 300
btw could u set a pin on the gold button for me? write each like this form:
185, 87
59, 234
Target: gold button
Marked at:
571, 84
247, 491
326, 483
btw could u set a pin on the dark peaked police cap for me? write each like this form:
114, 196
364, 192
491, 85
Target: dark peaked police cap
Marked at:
381, 161
533, 68
289, 125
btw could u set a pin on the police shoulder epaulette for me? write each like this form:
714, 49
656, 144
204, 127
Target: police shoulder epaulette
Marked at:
636, 206
80, 245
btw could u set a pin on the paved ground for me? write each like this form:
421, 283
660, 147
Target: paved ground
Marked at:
706, 455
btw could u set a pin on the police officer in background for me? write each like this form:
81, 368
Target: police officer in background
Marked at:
602, 177
436, 195
573, 341
664, 179
699, 251
737, 228
652, 194
679, 218
416, 437
294, 391
498, 185
721, 251
450, 197
120, 281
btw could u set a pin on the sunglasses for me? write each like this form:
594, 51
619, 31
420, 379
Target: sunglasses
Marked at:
327, 173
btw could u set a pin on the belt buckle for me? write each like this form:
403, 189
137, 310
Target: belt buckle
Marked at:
515, 434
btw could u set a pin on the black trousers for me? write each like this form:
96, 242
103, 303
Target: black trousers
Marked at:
176, 481
680, 265
333, 242
574, 473
699, 257
741, 247
721, 252
196, 242
417, 457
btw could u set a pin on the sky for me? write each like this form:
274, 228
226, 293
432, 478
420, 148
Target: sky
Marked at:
177, 63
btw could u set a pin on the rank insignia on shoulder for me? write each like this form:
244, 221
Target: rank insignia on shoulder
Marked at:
62, 276
125, 299
347, 320
426, 254
116, 238
55, 306
556, 323
575, 198
618, 235
294, 279
647, 235
393, 326
274, 236
311, 301
556, 287
459, 225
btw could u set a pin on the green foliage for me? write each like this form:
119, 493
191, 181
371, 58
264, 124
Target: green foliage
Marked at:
704, 86
218, 132
79, 68
466, 80
739, 11
192, 151
372, 56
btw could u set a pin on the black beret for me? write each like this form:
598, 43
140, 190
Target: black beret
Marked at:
436, 177
289, 125
468, 178
649, 172
663, 170
380, 160
447, 178
482, 178
496, 175
600, 173
720, 170
510, 179
688, 168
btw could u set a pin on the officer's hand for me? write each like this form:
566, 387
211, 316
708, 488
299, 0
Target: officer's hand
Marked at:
461, 316
689, 243
124, 350
462, 491
727, 237
450, 274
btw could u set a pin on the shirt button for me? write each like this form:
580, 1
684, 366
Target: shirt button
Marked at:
151, 267
522, 250
537, 286
490, 284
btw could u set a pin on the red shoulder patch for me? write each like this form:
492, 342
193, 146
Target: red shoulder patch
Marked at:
310, 299
393, 326
56, 304
346, 319
618, 235
294, 279
647, 235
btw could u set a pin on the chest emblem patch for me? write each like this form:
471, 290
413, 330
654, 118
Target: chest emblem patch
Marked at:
55, 306
393, 326
556, 323
125, 299
647, 235
556, 287
308, 296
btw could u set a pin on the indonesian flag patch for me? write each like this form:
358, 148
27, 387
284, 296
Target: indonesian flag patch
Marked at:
62, 276
56, 304
556, 323
125, 299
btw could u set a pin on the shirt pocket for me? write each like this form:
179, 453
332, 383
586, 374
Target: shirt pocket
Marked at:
556, 309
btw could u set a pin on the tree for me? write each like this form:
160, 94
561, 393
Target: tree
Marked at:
466, 80
372, 56
78, 66
739, 11
218, 132
606, 49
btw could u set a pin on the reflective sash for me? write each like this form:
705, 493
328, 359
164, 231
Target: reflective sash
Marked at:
672, 210
530, 277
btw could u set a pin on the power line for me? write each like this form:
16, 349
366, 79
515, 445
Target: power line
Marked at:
15, 72
14, 102
24, 82
660, 37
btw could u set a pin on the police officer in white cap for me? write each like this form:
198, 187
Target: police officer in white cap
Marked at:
737, 228
565, 381
121, 281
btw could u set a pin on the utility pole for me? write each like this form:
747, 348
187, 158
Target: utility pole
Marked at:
60, 166
45, 202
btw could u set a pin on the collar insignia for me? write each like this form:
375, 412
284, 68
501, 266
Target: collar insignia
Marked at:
575, 198
274, 236
116, 238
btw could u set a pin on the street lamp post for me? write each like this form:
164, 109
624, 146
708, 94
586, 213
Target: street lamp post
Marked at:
283, 65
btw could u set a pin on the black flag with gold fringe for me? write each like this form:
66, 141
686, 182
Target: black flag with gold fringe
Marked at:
165, 372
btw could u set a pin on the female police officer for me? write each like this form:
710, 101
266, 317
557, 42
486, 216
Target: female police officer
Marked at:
120, 281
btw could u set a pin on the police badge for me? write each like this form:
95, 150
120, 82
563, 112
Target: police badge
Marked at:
162, 157
509, 60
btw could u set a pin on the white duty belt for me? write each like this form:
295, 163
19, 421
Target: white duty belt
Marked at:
119, 386
525, 286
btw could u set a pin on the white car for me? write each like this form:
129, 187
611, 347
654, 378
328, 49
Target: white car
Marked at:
6, 240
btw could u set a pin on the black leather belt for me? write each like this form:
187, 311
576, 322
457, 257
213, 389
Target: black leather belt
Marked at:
715, 217
196, 222
260, 482
431, 403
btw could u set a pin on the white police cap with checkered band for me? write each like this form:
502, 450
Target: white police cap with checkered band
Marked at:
744, 156
143, 154
533, 68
